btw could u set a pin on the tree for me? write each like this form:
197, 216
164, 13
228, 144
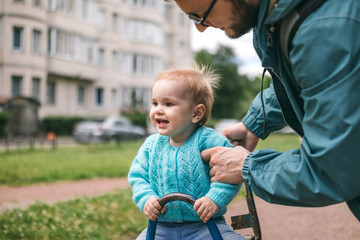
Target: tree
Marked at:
236, 91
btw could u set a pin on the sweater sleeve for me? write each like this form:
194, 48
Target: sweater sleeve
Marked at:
138, 176
220, 193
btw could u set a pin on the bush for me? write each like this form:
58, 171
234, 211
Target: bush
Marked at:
137, 118
4, 119
61, 125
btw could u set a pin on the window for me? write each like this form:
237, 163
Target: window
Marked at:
167, 12
35, 88
50, 93
90, 57
70, 45
37, 3
1, 31
81, 95
145, 64
86, 8
182, 19
115, 60
65, 6
113, 98
125, 62
99, 96
115, 23
147, 32
101, 62
16, 85
101, 19
181, 49
17, 38
36, 41
124, 27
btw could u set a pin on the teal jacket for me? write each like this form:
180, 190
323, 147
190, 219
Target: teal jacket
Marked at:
326, 68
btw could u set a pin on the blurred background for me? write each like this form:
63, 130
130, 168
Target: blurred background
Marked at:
67, 61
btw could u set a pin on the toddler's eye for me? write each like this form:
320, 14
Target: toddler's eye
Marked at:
168, 104
154, 103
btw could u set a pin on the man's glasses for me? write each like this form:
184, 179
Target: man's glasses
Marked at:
200, 20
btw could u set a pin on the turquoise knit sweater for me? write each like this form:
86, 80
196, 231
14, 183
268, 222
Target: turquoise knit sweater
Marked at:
160, 169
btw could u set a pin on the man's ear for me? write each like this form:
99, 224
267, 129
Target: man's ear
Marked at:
199, 112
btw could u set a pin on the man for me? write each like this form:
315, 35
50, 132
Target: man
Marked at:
317, 95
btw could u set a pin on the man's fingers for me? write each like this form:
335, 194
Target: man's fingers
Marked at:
206, 155
156, 204
163, 209
215, 170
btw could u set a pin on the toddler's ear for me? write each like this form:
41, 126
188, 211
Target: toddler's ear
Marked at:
199, 112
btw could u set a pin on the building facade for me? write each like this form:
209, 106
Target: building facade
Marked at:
89, 57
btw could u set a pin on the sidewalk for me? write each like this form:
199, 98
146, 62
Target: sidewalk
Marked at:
23, 144
22, 197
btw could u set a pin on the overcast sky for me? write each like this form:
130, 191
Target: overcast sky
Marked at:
243, 47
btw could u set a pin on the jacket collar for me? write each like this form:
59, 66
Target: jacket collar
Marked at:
278, 9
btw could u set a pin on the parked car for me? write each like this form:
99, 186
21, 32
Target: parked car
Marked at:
111, 128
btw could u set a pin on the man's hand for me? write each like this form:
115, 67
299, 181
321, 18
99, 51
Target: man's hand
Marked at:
239, 135
205, 208
225, 163
152, 208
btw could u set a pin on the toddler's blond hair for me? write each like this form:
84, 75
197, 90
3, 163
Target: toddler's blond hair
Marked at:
200, 83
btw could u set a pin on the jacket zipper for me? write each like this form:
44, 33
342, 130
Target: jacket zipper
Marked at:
269, 38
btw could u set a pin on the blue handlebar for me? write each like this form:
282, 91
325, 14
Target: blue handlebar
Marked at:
214, 231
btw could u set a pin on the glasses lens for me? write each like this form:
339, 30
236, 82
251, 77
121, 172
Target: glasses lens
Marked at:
195, 18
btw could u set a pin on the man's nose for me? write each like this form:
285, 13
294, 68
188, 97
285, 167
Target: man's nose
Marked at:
200, 27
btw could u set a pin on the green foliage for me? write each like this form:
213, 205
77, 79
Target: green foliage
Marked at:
61, 125
280, 142
4, 119
137, 118
111, 216
67, 163
236, 91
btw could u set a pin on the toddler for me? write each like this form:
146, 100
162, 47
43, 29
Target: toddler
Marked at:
170, 160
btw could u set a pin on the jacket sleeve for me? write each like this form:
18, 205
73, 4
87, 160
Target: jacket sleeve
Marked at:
138, 176
325, 170
220, 193
254, 119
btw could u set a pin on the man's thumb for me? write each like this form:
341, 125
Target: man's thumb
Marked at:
206, 155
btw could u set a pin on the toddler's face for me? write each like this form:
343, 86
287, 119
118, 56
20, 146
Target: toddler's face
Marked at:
172, 110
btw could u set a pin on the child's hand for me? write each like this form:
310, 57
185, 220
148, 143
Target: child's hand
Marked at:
152, 208
205, 208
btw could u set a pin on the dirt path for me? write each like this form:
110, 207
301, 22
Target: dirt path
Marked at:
21, 197
277, 222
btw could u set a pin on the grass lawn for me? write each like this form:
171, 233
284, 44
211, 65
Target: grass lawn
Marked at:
83, 162
66, 163
280, 142
111, 216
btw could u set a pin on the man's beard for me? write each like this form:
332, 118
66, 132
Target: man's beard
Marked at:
245, 18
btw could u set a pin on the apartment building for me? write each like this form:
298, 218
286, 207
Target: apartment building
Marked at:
89, 57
